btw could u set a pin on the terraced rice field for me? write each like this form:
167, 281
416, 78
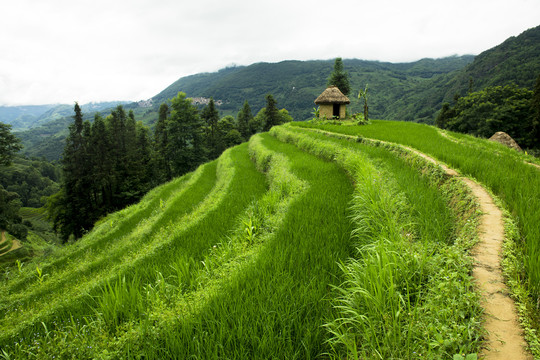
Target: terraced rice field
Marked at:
296, 245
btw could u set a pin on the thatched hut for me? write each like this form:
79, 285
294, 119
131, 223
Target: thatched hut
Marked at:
332, 103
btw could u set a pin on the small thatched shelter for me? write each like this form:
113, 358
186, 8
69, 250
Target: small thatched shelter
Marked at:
505, 139
332, 103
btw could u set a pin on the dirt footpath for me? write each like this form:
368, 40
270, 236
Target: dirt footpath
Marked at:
505, 337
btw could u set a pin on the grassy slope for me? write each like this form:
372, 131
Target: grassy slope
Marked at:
215, 264
515, 182
404, 294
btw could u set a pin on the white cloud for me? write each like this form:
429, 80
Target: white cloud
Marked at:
92, 50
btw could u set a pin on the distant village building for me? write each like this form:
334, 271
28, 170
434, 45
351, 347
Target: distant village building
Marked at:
332, 103
205, 101
145, 103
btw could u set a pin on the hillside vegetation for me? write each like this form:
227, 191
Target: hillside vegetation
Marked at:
402, 91
515, 61
294, 245
31, 116
296, 84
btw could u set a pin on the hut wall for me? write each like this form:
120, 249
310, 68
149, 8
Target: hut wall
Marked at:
326, 110
342, 111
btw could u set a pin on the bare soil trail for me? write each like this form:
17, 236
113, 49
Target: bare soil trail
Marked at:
505, 337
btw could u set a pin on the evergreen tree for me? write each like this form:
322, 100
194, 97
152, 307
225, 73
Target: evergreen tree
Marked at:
162, 163
444, 116
535, 104
106, 166
100, 147
340, 78
184, 133
75, 169
10, 204
256, 124
210, 116
117, 136
272, 116
130, 184
244, 117
9, 145
143, 159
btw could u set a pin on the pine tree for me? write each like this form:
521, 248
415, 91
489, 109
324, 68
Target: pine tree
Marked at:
340, 78
75, 169
272, 116
243, 118
143, 158
100, 147
184, 133
9, 145
106, 166
210, 116
161, 161
535, 126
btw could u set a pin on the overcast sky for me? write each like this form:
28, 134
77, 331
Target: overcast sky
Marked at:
61, 51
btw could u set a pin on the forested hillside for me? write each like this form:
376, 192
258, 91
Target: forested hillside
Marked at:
296, 84
405, 91
31, 116
19, 116
515, 61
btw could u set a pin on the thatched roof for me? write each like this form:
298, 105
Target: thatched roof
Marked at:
332, 95
505, 139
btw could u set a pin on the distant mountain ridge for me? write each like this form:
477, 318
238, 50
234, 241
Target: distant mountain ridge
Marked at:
295, 84
26, 117
515, 61
404, 91
411, 91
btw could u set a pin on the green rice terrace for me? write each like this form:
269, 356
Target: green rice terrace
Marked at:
311, 241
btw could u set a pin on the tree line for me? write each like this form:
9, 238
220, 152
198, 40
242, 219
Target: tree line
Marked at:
112, 162
509, 108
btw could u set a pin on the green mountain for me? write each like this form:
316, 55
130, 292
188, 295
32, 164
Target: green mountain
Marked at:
31, 116
19, 116
296, 84
404, 91
516, 60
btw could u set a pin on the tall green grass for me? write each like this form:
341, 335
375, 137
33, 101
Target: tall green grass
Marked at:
276, 305
394, 290
179, 246
516, 183
255, 259
70, 297
110, 233
68, 283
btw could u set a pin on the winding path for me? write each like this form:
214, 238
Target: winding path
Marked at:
505, 336
504, 339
